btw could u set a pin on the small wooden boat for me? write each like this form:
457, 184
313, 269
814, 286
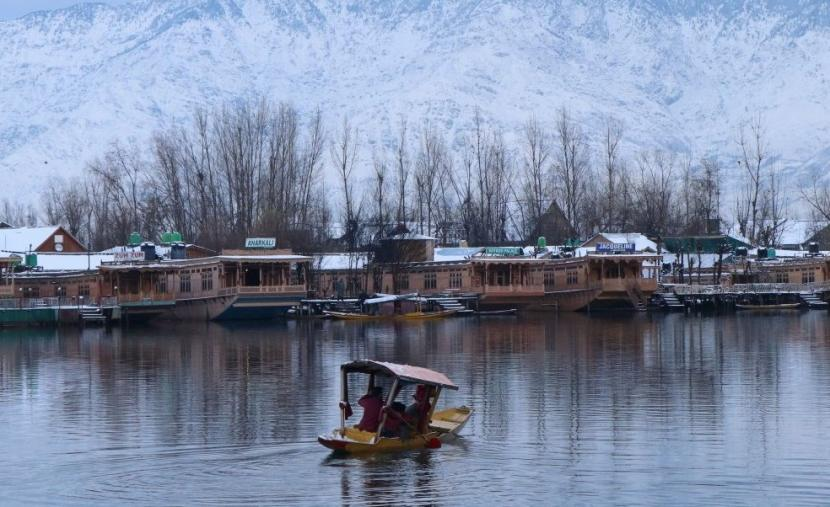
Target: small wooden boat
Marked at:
352, 316
781, 306
426, 315
402, 316
444, 425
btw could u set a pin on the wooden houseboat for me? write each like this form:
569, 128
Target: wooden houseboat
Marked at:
528, 282
231, 286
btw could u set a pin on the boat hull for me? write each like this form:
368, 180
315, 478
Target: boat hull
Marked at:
786, 306
403, 316
445, 426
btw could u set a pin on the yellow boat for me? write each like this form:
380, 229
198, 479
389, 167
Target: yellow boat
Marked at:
444, 425
400, 316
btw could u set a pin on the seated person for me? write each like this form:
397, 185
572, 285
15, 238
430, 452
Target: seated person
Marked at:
394, 421
372, 404
417, 412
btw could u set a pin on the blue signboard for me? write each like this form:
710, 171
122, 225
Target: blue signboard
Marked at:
616, 248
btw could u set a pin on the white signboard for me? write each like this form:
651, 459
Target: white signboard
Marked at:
128, 256
260, 242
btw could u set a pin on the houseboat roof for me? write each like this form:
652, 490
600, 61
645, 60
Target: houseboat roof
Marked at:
340, 261
161, 250
265, 258
69, 261
405, 372
448, 254
177, 263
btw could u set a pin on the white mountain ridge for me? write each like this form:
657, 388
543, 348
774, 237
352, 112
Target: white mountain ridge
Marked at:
680, 74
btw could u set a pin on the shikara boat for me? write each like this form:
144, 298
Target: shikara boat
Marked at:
443, 425
781, 306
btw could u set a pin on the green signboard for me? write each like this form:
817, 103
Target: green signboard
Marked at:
504, 251
260, 242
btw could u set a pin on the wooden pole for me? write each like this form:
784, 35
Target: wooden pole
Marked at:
388, 406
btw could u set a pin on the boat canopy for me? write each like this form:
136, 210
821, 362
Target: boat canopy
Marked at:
404, 372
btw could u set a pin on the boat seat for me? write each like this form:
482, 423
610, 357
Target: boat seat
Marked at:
443, 425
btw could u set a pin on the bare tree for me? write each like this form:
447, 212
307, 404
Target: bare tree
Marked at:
753, 156
67, 204
654, 192
610, 205
817, 196
344, 156
535, 182
402, 174
379, 183
571, 165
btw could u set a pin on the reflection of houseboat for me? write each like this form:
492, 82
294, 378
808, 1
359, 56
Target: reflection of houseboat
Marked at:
235, 285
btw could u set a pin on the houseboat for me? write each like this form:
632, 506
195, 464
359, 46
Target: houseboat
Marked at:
511, 277
237, 284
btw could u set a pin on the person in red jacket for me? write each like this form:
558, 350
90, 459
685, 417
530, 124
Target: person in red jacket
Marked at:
372, 404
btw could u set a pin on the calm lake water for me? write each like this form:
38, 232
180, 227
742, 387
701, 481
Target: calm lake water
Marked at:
574, 409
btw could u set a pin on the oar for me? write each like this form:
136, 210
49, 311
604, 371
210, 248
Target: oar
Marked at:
432, 443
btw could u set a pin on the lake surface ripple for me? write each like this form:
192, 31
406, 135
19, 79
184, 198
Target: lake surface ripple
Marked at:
570, 409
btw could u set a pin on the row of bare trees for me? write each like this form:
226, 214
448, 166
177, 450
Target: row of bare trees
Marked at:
244, 169
257, 168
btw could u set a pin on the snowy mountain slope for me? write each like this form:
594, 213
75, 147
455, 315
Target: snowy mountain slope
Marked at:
680, 73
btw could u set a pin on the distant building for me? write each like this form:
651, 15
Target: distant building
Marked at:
821, 237
39, 240
554, 226
405, 247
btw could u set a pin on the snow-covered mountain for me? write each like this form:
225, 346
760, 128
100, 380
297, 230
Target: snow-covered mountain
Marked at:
680, 73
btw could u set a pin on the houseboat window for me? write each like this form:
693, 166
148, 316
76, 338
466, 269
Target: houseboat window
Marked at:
403, 281
83, 290
184, 283
455, 280
782, 277
161, 284
572, 277
808, 276
430, 280
207, 281
550, 280
501, 277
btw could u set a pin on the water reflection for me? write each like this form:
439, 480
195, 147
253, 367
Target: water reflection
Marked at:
617, 408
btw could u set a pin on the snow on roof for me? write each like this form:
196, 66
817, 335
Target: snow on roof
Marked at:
411, 236
641, 242
703, 260
455, 253
339, 261
797, 232
276, 258
69, 261
24, 239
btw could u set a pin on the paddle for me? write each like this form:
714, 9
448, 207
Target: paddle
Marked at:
432, 443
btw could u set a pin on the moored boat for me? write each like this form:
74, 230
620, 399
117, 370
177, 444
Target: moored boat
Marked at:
434, 428
495, 313
400, 316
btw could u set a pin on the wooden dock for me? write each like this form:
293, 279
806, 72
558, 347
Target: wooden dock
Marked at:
719, 298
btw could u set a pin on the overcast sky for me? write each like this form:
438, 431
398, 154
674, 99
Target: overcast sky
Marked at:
10, 9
